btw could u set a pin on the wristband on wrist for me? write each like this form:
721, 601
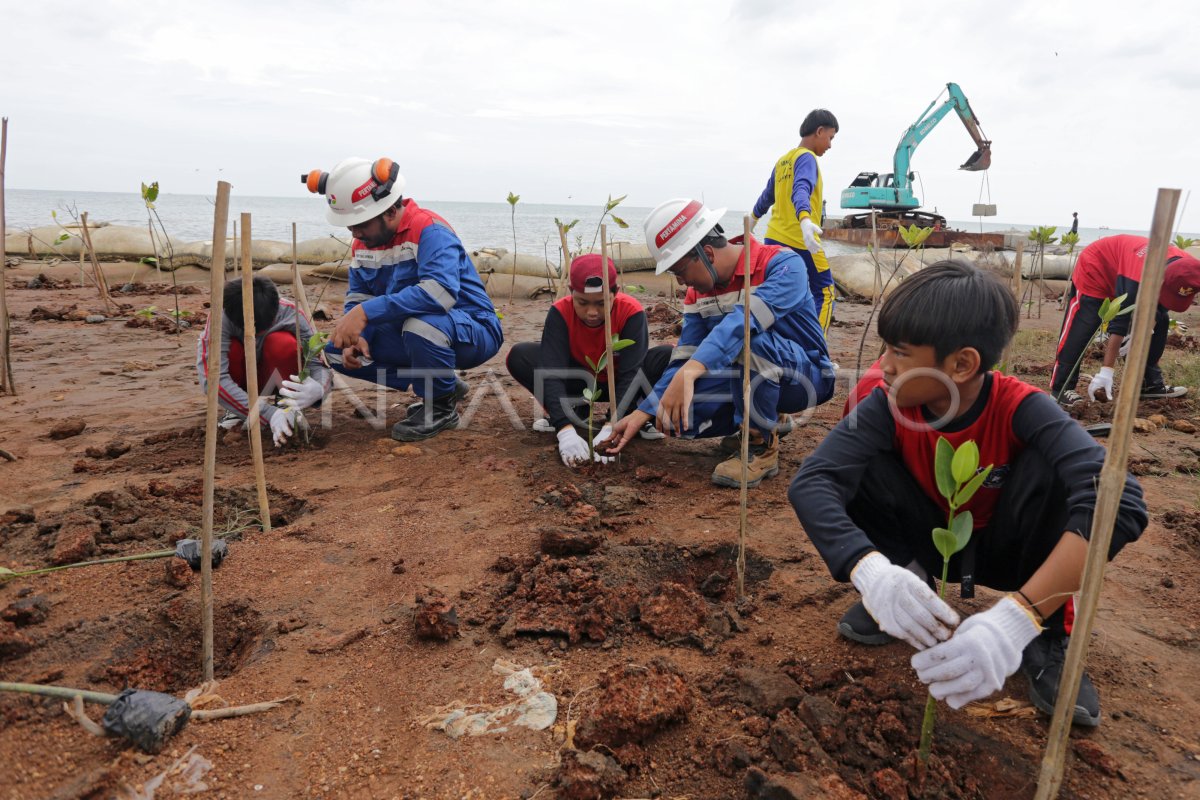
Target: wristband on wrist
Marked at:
1041, 619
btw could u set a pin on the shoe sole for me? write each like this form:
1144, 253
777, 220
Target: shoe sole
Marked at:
1179, 392
401, 434
873, 639
721, 480
1081, 717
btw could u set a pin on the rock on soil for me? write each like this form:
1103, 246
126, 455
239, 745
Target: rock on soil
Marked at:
634, 703
13, 643
114, 449
795, 747
563, 597
436, 618
588, 776
27, 611
178, 573
767, 691
76, 539
566, 542
673, 612
68, 428
18, 514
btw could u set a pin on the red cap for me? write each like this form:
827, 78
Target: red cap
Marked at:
1180, 284
588, 266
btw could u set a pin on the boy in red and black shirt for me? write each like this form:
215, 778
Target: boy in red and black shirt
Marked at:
868, 498
556, 372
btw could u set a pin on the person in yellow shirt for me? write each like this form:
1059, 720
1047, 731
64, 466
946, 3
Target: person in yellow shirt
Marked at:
794, 192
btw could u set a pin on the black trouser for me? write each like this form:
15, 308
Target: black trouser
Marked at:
524, 360
1081, 320
1026, 525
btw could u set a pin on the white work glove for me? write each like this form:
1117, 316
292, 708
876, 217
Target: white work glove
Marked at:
282, 425
603, 435
902, 604
1102, 381
301, 395
811, 232
984, 651
1124, 351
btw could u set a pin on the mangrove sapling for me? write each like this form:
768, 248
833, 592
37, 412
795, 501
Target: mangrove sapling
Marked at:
309, 350
1040, 236
149, 196
513, 199
609, 205
1070, 240
914, 239
1183, 242
958, 478
592, 393
565, 265
1110, 309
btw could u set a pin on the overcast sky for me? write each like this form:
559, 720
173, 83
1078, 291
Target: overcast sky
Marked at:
1091, 105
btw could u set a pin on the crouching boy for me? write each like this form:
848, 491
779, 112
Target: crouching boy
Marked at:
868, 497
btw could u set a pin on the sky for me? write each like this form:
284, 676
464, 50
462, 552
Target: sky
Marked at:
1091, 106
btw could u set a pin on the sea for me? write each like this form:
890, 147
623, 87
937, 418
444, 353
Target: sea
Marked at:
189, 217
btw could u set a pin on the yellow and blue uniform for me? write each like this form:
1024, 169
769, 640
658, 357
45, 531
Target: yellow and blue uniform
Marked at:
794, 190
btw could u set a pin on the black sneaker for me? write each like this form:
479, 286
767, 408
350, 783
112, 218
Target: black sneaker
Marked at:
461, 388
441, 415
1070, 398
1042, 663
1162, 390
858, 625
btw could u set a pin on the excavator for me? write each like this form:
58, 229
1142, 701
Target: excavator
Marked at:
891, 193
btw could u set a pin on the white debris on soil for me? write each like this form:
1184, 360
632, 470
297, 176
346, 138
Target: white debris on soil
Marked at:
534, 708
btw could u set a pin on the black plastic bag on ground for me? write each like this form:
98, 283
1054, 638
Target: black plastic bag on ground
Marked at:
148, 719
189, 551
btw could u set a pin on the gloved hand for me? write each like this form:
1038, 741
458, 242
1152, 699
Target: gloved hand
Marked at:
902, 604
301, 395
811, 232
984, 651
603, 436
282, 425
1102, 381
1124, 351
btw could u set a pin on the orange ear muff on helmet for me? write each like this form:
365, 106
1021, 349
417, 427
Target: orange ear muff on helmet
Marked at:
315, 181
384, 171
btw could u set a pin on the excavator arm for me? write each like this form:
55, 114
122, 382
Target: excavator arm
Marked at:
981, 159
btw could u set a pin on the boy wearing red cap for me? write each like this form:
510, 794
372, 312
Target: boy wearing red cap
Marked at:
1108, 268
555, 370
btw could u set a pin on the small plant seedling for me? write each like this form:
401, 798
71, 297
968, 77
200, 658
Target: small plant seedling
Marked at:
958, 479
1183, 242
513, 199
312, 349
592, 393
1110, 309
147, 313
609, 205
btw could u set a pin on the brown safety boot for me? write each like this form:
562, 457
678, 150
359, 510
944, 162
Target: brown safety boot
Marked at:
764, 463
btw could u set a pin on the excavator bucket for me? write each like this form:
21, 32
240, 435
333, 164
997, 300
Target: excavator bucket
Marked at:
980, 160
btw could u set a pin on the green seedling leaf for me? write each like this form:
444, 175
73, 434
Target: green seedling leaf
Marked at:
962, 527
151, 260
945, 542
6, 571
621, 344
1183, 242
634, 288
620, 222
965, 462
943, 456
967, 492
513, 199
595, 367
1125, 311
62, 237
590, 395
53, 214
150, 194
1105, 305
611, 204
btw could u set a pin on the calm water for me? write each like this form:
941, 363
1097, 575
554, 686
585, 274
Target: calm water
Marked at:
189, 218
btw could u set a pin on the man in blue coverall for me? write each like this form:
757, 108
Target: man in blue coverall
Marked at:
415, 308
700, 393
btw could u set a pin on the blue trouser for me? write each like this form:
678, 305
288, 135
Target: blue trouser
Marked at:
421, 352
783, 379
820, 281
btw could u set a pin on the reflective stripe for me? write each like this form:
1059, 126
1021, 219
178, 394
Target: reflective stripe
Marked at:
769, 370
359, 297
438, 293
334, 358
683, 352
384, 257
419, 327
713, 306
762, 312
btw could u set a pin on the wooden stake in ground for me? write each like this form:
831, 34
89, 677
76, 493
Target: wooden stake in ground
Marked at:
236, 260
250, 345
297, 288
101, 281
1108, 496
1017, 269
566, 276
743, 521
7, 386
216, 311
610, 368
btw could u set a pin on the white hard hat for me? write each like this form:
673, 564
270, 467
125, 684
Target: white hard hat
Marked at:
676, 227
356, 189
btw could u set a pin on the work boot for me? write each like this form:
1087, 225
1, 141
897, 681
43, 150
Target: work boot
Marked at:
732, 443
1042, 663
441, 415
461, 388
764, 463
858, 625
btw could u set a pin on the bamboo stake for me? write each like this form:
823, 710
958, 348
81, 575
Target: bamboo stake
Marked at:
7, 386
101, 281
610, 368
250, 345
297, 288
565, 281
216, 311
747, 225
1108, 496
237, 264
